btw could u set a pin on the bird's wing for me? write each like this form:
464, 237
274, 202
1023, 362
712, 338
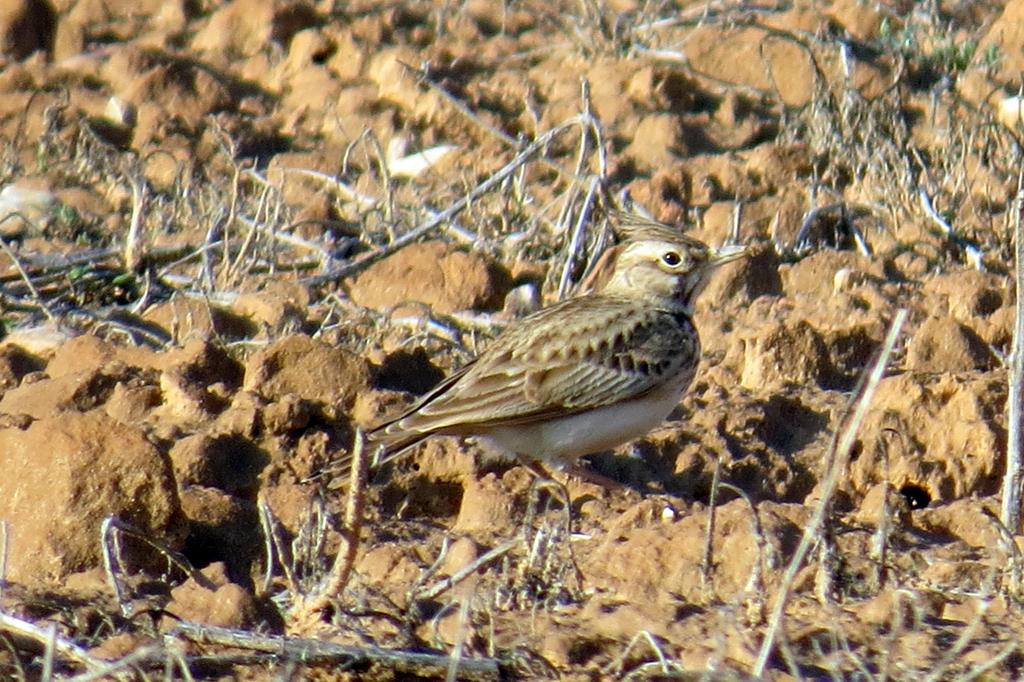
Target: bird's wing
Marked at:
544, 367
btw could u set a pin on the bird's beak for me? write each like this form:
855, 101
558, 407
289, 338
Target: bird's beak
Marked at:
724, 254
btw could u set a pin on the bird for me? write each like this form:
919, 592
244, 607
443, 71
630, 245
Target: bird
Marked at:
583, 375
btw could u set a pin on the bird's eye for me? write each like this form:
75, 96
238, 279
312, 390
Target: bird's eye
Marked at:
671, 259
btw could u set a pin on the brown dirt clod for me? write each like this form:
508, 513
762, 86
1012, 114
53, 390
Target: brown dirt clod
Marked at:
54, 495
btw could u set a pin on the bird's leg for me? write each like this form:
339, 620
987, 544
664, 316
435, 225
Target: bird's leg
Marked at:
590, 476
581, 472
555, 490
544, 480
535, 468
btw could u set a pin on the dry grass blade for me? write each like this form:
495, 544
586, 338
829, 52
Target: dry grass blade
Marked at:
962, 642
4, 548
664, 665
576, 242
271, 545
840, 455
991, 664
766, 559
134, 246
881, 538
1012, 585
25, 277
1014, 476
49, 654
707, 563
460, 641
974, 255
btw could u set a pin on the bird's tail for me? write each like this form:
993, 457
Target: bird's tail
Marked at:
381, 447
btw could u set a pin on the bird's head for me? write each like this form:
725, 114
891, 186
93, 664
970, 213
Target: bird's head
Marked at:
658, 263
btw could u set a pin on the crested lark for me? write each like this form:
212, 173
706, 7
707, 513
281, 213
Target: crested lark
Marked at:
583, 375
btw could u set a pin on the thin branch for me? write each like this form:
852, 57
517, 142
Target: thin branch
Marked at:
737, 221
5, 538
662, 666
363, 201
880, 538
962, 642
576, 243
460, 643
142, 656
464, 109
110, 547
982, 668
974, 254
273, 547
49, 653
38, 264
765, 559
1016, 562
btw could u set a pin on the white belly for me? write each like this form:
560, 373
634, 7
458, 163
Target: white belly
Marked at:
564, 440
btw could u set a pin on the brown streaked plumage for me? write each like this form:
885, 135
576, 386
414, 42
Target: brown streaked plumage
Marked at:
583, 375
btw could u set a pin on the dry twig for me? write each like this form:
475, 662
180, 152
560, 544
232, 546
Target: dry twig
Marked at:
1012, 586
842, 446
346, 557
24, 276
141, 657
48, 639
765, 559
445, 584
110, 543
4, 548
134, 244
438, 218
1014, 476
317, 652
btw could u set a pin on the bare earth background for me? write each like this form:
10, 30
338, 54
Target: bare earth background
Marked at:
221, 255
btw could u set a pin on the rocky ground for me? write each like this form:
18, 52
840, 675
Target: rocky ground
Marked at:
234, 232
